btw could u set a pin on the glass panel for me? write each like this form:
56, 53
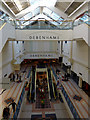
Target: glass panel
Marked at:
26, 23
47, 11
36, 11
3, 16
54, 23
84, 18
28, 16
60, 19
1, 23
55, 16
33, 1
1, 13
21, 20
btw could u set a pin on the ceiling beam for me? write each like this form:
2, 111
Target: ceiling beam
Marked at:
78, 8
9, 10
31, 8
69, 5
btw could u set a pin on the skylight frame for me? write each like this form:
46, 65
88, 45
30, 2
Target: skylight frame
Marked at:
18, 4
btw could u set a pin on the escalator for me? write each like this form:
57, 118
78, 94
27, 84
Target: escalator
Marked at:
28, 93
29, 73
55, 90
31, 91
33, 85
50, 85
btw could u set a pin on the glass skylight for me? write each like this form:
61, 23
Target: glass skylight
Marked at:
52, 15
17, 2
47, 11
3, 16
43, 2
84, 18
36, 11
60, 19
33, 1
28, 16
22, 20
54, 23
55, 16
47, 14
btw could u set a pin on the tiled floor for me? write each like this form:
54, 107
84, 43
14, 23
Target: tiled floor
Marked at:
72, 89
59, 109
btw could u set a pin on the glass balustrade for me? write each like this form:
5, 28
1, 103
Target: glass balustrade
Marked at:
45, 25
66, 25
1, 23
47, 20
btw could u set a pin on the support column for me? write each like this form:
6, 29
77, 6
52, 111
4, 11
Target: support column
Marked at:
80, 82
48, 86
71, 52
58, 48
61, 52
41, 10
12, 50
61, 47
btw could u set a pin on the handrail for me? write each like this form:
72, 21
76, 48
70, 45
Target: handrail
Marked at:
48, 86
53, 90
2, 26
52, 85
35, 84
30, 86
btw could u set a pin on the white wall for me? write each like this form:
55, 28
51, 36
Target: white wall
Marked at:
66, 52
5, 60
81, 32
41, 49
41, 46
79, 57
80, 52
18, 48
6, 56
25, 34
8, 31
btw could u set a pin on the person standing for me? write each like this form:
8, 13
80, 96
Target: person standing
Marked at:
17, 76
13, 105
6, 113
20, 79
13, 77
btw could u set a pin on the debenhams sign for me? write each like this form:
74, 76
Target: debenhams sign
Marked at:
44, 37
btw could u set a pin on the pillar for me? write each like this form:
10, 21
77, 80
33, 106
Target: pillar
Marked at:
80, 82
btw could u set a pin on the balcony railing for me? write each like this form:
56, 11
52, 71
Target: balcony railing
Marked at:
66, 25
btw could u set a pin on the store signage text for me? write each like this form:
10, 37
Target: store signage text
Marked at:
44, 37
